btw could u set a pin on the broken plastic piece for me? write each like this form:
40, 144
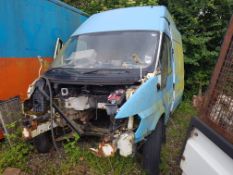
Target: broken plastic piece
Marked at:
125, 144
26, 133
111, 109
104, 150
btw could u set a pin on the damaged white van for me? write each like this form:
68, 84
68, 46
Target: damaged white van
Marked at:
119, 77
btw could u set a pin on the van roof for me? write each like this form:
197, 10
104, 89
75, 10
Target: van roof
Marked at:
153, 18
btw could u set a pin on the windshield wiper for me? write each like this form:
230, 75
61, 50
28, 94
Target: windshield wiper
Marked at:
64, 70
108, 70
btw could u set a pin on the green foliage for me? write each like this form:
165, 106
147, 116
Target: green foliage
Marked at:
80, 155
14, 156
94, 6
202, 24
72, 149
16, 153
116, 165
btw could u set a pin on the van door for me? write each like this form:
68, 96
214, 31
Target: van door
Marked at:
166, 73
58, 47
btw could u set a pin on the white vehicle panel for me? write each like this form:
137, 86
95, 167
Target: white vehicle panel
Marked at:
203, 157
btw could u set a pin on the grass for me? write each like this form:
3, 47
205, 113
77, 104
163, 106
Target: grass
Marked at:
14, 155
176, 133
75, 159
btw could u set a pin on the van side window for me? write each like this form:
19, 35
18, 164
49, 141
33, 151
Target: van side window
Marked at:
165, 61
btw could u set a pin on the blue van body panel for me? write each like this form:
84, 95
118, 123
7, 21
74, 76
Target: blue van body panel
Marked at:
135, 18
149, 104
143, 99
146, 102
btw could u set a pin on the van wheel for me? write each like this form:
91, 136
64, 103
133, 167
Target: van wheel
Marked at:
43, 142
151, 150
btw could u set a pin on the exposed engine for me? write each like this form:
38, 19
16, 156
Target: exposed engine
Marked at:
89, 109
84, 103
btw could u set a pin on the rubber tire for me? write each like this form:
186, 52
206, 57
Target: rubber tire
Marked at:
43, 142
151, 150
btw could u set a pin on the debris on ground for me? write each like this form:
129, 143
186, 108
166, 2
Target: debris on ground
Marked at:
13, 171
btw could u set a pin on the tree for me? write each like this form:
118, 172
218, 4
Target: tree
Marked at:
202, 24
95, 6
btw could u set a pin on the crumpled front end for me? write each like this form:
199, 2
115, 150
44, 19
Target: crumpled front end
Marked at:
120, 115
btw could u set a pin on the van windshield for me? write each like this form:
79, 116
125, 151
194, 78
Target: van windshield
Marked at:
109, 50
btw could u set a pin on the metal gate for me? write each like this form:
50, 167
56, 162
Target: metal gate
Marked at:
218, 105
10, 113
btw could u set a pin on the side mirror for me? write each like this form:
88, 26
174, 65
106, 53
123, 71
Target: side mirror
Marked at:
58, 46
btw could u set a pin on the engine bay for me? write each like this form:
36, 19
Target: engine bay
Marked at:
89, 109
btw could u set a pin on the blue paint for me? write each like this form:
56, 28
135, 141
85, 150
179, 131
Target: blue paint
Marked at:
144, 97
29, 28
167, 96
134, 18
147, 124
149, 104
146, 102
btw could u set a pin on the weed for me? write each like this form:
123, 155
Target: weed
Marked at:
176, 131
116, 165
14, 154
72, 149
